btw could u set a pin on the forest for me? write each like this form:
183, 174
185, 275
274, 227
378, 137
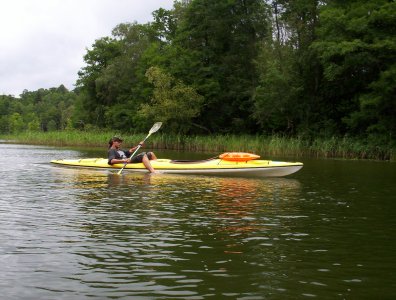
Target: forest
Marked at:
304, 68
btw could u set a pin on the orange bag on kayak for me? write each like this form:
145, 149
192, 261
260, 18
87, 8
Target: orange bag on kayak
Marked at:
238, 156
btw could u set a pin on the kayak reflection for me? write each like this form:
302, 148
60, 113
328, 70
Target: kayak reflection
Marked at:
204, 211
234, 188
233, 202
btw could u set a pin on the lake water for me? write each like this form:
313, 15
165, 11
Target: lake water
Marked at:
326, 232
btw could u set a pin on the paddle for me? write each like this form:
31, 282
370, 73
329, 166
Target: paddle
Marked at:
153, 129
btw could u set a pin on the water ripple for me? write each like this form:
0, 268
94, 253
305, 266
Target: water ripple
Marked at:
79, 234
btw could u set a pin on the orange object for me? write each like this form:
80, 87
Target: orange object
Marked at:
238, 156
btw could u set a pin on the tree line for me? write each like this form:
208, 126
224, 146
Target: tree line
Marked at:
303, 67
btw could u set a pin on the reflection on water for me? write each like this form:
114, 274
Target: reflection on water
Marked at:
70, 233
176, 235
232, 204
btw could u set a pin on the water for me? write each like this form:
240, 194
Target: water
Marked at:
326, 232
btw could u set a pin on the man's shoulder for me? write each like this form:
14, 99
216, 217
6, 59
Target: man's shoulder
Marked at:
112, 152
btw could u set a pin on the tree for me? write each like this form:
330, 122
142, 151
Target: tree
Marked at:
15, 122
173, 102
111, 80
214, 50
287, 97
278, 90
92, 99
356, 46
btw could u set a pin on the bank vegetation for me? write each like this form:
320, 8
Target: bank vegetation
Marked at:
266, 146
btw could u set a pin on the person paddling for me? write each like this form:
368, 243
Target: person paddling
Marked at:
118, 156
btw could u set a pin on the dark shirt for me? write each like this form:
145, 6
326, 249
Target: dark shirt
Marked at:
117, 154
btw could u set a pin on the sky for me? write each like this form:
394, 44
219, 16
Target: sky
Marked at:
43, 42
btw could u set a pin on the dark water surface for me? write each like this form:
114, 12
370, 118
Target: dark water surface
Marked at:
326, 232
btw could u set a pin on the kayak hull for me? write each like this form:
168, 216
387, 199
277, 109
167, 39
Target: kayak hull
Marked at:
260, 168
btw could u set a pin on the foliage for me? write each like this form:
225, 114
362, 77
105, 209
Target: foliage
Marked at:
40, 110
275, 105
173, 102
303, 68
215, 47
357, 51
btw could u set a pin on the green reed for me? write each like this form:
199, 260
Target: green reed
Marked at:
275, 145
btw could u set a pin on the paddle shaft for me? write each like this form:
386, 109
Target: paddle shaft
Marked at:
138, 147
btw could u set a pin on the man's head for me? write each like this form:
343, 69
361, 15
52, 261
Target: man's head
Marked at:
113, 140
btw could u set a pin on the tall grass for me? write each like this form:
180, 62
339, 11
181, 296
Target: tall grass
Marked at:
60, 138
264, 145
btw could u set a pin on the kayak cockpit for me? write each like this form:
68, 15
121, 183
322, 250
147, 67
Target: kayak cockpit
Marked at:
186, 161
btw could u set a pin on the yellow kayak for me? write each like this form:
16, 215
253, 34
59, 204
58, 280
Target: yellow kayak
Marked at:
213, 166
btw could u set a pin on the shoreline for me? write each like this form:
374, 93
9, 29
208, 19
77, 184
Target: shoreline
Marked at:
333, 147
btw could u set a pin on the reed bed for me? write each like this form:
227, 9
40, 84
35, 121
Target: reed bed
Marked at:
264, 145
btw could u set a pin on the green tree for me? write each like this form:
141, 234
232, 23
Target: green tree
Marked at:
173, 102
287, 97
114, 83
356, 46
45, 105
34, 125
279, 88
15, 122
93, 99
214, 50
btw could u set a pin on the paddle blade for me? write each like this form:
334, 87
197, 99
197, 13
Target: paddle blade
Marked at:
155, 127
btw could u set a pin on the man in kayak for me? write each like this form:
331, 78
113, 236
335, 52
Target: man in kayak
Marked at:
118, 156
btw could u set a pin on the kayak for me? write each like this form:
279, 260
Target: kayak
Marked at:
212, 166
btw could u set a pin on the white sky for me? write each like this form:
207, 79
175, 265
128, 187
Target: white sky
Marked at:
42, 42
